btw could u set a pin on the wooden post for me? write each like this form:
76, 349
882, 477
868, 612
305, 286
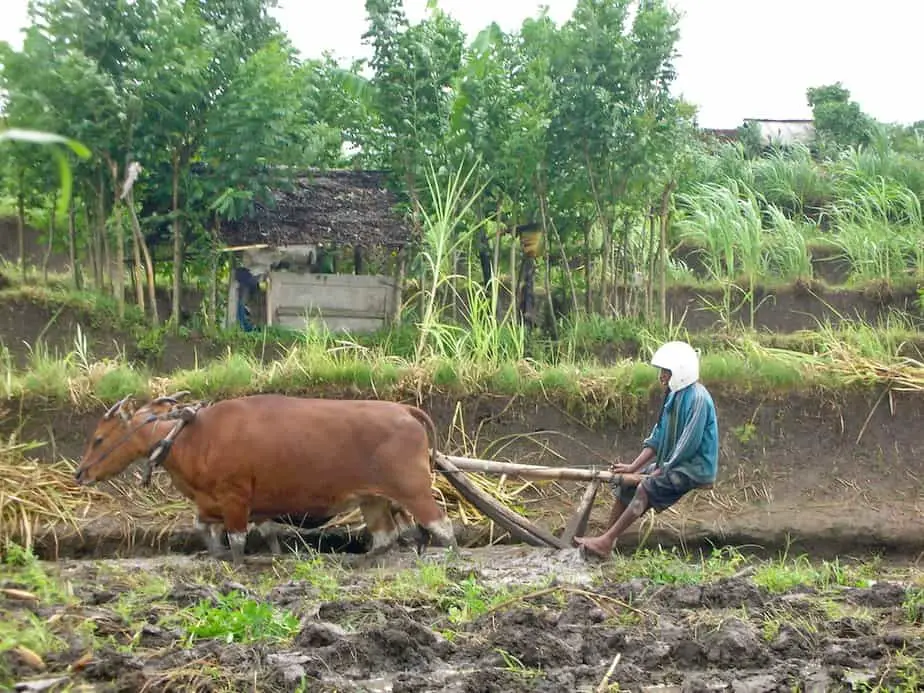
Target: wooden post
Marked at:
578, 522
397, 294
269, 299
517, 525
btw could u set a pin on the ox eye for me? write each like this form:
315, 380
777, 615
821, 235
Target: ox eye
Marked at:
98, 441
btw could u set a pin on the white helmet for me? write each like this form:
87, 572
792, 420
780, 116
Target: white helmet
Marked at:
681, 360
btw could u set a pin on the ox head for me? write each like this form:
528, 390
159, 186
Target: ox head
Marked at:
121, 436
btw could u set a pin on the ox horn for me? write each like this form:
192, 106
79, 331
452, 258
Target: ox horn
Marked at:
117, 407
173, 399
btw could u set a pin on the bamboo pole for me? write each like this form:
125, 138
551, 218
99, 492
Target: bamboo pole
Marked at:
530, 471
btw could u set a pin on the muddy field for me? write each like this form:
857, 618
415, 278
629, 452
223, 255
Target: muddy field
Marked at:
499, 619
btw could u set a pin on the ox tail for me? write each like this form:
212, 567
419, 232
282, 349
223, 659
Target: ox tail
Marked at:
424, 418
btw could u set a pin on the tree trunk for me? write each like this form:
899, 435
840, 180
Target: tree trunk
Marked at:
495, 272
607, 267
566, 267
588, 295
148, 265
21, 228
665, 219
72, 244
51, 235
513, 273
213, 276
105, 260
138, 272
119, 239
553, 323
654, 253
177, 244
93, 248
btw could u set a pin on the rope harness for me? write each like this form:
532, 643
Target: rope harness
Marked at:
160, 450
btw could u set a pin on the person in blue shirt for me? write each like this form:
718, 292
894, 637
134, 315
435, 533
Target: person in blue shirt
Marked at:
680, 455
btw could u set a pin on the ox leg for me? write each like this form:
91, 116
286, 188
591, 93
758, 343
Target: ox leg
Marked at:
377, 512
211, 531
415, 494
432, 522
236, 513
270, 532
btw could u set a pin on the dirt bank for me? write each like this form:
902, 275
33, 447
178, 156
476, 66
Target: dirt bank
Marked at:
510, 619
791, 468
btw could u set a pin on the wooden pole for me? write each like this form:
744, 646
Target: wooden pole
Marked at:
578, 522
529, 471
517, 525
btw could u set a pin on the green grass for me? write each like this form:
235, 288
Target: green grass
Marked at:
235, 617
597, 368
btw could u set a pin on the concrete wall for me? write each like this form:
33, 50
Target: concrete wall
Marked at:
357, 303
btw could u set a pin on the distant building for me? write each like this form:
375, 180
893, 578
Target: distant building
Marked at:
784, 132
772, 131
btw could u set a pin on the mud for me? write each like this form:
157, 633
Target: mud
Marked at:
727, 634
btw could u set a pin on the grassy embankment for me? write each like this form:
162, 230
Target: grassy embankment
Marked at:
451, 364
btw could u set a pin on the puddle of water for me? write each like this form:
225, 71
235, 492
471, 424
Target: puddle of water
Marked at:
380, 684
524, 564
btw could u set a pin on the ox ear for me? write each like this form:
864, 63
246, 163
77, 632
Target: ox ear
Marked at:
118, 408
172, 399
114, 408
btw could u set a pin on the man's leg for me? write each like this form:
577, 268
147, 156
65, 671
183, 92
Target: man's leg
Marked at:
603, 544
659, 493
622, 496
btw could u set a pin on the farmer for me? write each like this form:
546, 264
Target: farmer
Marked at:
679, 455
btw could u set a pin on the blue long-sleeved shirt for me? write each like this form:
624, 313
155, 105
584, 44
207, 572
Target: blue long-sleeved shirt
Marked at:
686, 437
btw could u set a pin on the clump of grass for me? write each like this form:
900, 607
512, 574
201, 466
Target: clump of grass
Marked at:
318, 573
785, 574
21, 569
675, 567
235, 617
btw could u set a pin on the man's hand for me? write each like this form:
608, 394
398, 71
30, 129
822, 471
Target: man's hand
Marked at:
620, 468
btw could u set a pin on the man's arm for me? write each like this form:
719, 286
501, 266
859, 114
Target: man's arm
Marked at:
644, 457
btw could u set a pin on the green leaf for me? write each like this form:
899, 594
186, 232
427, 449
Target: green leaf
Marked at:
39, 137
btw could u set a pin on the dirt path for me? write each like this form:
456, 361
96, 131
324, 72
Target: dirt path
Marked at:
498, 619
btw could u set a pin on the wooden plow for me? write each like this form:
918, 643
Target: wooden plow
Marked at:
455, 469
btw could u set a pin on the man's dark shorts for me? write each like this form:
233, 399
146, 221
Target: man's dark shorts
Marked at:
663, 490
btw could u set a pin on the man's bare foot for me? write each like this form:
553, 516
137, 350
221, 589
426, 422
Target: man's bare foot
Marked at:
596, 545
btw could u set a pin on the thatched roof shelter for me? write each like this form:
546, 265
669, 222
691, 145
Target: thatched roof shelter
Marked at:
337, 207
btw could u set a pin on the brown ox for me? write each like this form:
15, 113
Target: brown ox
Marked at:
256, 458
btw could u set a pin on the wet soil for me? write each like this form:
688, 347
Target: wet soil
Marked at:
376, 628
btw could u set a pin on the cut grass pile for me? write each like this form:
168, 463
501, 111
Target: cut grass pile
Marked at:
37, 498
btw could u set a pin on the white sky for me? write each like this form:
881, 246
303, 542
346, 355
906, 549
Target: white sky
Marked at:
739, 58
